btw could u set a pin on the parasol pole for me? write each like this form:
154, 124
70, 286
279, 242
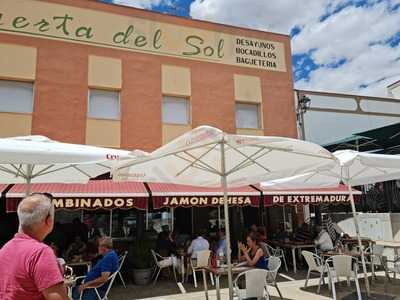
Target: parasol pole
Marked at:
29, 171
356, 224
226, 217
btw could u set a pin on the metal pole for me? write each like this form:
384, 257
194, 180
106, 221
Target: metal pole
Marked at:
147, 218
355, 217
219, 217
172, 219
111, 215
226, 216
29, 171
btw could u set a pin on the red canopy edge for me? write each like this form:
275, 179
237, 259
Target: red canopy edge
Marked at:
96, 194
175, 195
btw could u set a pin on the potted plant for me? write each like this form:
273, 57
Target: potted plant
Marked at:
143, 261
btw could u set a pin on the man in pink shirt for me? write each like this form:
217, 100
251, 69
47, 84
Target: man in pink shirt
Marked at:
29, 269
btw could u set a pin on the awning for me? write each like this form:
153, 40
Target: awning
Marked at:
96, 194
338, 195
174, 195
2, 187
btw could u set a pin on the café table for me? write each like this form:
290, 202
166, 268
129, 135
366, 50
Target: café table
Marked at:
293, 246
395, 245
222, 271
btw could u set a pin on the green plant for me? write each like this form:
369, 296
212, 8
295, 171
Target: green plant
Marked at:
142, 258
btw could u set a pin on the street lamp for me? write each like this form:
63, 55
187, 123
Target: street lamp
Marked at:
303, 104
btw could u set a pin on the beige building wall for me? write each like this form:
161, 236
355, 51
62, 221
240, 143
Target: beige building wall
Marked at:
17, 62
105, 72
250, 131
104, 133
247, 88
175, 81
172, 131
15, 124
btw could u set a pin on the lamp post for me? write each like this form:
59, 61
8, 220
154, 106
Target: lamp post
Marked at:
303, 104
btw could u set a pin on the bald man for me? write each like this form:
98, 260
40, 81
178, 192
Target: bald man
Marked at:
29, 268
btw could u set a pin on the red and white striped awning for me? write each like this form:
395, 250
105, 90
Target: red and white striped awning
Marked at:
96, 194
2, 187
175, 195
336, 195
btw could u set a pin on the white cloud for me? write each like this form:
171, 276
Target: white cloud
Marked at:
354, 34
277, 16
138, 3
376, 67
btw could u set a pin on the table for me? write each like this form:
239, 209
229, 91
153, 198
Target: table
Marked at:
218, 272
392, 245
87, 264
293, 247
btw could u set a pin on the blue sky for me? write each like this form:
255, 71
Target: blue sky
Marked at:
337, 45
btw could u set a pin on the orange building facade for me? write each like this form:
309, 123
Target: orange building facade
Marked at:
87, 72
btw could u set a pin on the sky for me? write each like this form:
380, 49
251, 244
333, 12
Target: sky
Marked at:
350, 46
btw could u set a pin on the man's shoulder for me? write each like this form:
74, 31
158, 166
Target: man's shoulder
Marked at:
25, 244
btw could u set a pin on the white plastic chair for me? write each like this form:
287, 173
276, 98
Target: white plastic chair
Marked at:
109, 281
315, 265
395, 268
255, 285
274, 263
342, 266
121, 261
162, 262
277, 252
199, 263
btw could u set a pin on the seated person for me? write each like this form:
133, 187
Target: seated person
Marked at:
253, 228
262, 234
303, 233
221, 245
262, 241
76, 250
180, 238
99, 274
198, 244
165, 246
253, 254
281, 234
323, 240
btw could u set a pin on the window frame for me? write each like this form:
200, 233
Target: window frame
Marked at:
259, 115
188, 109
33, 96
104, 90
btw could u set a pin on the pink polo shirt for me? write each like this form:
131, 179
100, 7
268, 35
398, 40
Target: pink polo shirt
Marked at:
27, 267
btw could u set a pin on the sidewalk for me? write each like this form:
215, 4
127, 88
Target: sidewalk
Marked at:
294, 290
291, 286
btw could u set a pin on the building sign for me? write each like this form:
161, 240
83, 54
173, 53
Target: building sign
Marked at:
89, 203
72, 24
270, 200
189, 201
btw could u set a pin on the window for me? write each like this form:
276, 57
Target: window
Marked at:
16, 96
247, 116
175, 110
104, 105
